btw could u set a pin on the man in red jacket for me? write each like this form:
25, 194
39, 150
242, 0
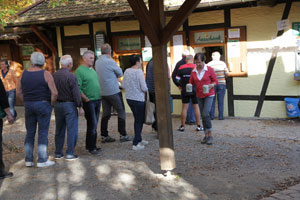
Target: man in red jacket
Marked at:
188, 92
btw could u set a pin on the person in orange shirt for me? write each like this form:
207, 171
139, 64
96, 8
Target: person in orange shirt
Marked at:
9, 79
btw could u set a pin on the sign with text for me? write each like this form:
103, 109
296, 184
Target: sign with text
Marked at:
209, 37
129, 43
296, 28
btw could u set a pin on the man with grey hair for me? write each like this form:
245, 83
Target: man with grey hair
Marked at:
65, 108
108, 73
90, 94
221, 71
38, 90
190, 117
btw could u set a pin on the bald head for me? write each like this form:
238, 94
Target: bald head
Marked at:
189, 59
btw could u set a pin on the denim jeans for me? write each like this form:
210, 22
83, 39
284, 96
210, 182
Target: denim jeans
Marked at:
115, 101
66, 117
11, 94
220, 91
91, 113
190, 117
1, 159
205, 107
138, 110
37, 113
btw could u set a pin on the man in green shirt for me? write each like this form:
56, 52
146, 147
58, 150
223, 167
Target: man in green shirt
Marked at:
90, 94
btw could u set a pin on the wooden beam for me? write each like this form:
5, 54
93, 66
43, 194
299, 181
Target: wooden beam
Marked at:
91, 36
178, 19
229, 80
44, 39
271, 63
141, 12
62, 38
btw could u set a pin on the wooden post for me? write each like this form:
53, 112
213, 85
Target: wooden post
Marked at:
164, 118
271, 63
153, 24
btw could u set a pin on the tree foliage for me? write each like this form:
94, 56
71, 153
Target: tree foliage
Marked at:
10, 8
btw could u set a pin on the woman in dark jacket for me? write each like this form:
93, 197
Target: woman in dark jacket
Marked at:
4, 110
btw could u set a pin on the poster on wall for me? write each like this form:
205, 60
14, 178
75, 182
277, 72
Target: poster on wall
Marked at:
234, 33
82, 50
177, 47
234, 49
147, 54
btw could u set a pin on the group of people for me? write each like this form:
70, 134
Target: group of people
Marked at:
79, 93
199, 84
82, 92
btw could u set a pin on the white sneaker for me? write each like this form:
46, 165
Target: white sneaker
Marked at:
29, 164
144, 142
46, 164
137, 147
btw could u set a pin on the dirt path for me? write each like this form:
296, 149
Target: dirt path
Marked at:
248, 160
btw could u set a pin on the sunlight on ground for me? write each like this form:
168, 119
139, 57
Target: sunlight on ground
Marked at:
83, 179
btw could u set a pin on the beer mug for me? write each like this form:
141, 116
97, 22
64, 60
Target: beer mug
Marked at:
205, 89
189, 88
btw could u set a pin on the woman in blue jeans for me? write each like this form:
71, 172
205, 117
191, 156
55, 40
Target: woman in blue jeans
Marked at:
135, 88
37, 90
204, 78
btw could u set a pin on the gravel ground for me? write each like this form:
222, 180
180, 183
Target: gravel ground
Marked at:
250, 159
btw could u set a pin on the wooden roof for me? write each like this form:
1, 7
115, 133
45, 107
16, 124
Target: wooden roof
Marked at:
78, 10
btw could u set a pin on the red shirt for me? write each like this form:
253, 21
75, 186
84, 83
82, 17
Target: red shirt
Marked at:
209, 77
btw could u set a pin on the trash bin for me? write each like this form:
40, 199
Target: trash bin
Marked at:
292, 109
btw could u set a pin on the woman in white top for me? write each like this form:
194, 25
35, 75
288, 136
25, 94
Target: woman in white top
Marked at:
135, 88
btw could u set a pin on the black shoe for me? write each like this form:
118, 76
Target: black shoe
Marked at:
125, 138
204, 140
181, 128
95, 151
209, 140
107, 139
4, 175
58, 156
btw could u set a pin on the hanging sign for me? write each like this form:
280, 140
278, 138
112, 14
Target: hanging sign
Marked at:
209, 37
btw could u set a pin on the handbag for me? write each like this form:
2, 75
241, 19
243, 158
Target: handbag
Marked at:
149, 111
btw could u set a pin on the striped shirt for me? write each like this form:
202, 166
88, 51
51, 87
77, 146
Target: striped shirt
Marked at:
220, 69
67, 87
